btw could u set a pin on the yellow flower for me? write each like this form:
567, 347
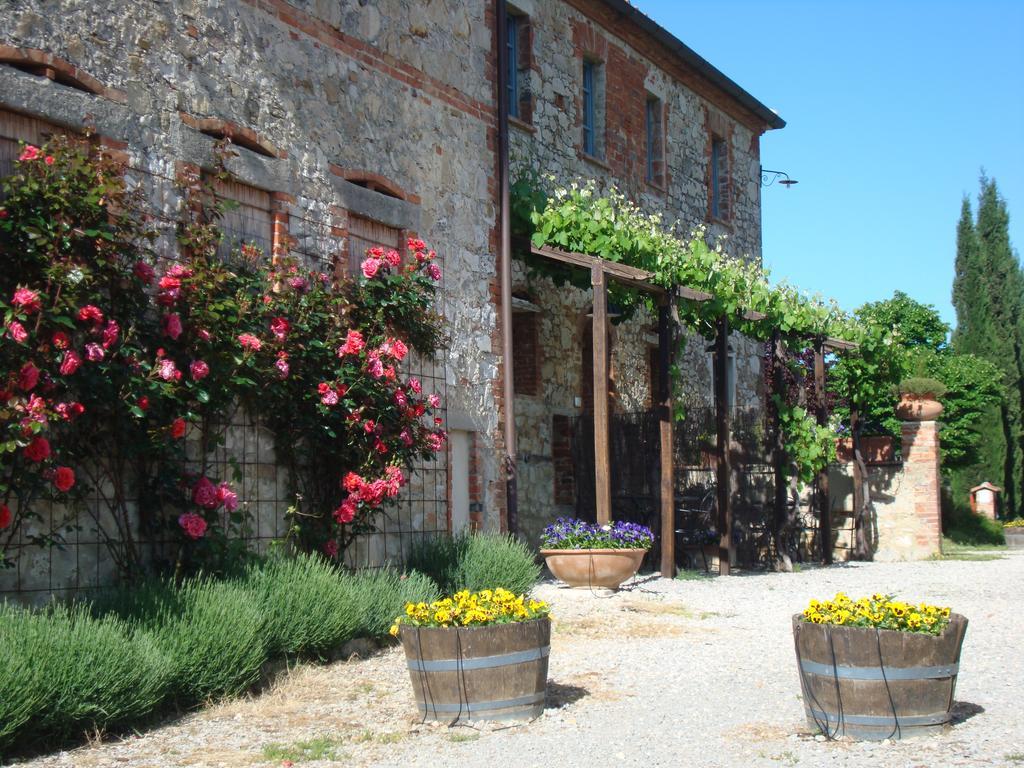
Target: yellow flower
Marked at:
394, 630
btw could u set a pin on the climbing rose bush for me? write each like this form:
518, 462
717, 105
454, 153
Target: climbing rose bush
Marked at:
123, 359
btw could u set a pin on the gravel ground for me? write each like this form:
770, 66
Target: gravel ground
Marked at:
681, 673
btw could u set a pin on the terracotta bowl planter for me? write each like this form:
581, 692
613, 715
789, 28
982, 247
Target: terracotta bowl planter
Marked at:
593, 567
918, 408
872, 685
496, 672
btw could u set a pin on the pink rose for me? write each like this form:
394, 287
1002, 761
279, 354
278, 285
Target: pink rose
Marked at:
434, 271
282, 367
193, 525
226, 497
168, 371
172, 325
48, 159
70, 411
415, 386
392, 258
28, 377
354, 344
26, 300
406, 437
94, 352
204, 494
199, 370
375, 366
328, 394
346, 513
435, 401
370, 267
29, 153
250, 342
71, 363
111, 334
280, 326
203, 334
17, 331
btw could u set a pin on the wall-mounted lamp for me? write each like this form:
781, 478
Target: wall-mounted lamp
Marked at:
770, 177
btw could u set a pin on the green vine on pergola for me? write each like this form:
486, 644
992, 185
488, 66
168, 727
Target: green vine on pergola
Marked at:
577, 218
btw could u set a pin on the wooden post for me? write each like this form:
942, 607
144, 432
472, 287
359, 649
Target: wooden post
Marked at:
723, 420
821, 407
780, 517
668, 519
861, 535
602, 478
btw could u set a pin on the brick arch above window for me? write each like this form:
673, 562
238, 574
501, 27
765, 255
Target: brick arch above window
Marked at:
374, 182
237, 134
37, 62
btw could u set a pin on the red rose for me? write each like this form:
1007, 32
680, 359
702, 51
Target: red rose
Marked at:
90, 314
64, 479
143, 403
71, 363
178, 428
280, 326
38, 450
193, 525
204, 494
5, 517
61, 340
28, 377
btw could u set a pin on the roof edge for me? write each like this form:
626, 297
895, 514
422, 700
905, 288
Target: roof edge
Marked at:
696, 62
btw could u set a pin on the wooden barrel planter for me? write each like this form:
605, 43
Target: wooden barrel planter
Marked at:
872, 685
593, 567
495, 672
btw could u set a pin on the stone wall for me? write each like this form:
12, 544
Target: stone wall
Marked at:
562, 36
382, 110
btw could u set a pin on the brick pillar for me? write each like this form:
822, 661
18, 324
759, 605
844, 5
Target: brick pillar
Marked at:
921, 474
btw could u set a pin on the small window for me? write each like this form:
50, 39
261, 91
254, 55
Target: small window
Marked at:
246, 220
719, 179
655, 145
525, 354
364, 234
512, 75
589, 109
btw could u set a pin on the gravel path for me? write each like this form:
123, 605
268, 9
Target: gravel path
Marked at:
683, 673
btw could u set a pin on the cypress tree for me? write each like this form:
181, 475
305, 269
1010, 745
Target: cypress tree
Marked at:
988, 294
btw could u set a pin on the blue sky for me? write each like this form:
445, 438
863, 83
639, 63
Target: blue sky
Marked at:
893, 108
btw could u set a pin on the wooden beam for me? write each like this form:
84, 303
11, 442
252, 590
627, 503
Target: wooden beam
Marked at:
821, 409
623, 273
667, 490
723, 421
754, 316
602, 461
692, 294
780, 461
839, 345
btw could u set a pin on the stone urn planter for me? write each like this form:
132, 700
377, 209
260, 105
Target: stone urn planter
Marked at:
492, 672
918, 407
870, 684
593, 567
587, 555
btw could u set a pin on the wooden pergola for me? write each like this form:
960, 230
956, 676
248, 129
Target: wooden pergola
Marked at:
601, 272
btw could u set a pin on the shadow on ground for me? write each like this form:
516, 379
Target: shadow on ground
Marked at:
561, 695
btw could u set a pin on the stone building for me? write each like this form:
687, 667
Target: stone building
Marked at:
359, 123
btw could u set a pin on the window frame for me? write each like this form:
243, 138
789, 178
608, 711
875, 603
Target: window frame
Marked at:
719, 178
654, 117
589, 107
512, 27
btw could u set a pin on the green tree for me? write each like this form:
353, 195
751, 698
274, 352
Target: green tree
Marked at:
988, 294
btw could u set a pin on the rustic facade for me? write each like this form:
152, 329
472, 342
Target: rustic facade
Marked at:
357, 123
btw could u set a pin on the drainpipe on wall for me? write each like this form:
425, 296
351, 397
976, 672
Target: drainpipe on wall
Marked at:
512, 513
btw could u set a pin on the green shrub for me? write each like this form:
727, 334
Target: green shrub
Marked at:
495, 560
305, 604
214, 640
439, 558
381, 595
476, 561
963, 526
66, 672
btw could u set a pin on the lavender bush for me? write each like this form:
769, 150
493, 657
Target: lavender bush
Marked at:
567, 533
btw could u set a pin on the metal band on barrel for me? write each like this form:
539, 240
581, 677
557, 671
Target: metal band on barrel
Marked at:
483, 706
482, 662
876, 673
